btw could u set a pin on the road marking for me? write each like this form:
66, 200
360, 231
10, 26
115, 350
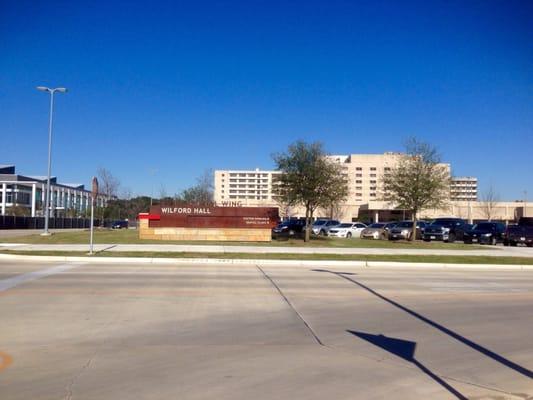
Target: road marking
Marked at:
9, 283
313, 333
5, 360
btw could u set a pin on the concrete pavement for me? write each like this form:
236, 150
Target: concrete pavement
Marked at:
498, 251
136, 331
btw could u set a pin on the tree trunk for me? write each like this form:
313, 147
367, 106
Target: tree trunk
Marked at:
413, 236
307, 224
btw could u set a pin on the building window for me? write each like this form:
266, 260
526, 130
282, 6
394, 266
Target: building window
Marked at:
358, 195
358, 181
372, 195
358, 168
372, 168
358, 188
359, 175
372, 181
372, 175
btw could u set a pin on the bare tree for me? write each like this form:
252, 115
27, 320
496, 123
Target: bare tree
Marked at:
489, 199
125, 193
108, 184
418, 182
285, 209
335, 210
201, 193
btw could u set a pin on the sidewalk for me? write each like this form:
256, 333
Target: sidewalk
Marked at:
175, 248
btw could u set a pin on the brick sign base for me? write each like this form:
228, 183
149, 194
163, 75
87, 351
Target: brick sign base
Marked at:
190, 222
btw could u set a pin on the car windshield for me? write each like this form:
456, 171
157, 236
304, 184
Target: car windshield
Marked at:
483, 226
405, 224
377, 226
318, 223
345, 225
444, 223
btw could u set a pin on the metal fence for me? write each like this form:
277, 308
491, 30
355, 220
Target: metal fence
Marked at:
12, 222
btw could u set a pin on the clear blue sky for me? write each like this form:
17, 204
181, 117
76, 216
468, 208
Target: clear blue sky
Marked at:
180, 87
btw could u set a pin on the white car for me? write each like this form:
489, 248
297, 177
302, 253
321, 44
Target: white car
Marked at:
347, 230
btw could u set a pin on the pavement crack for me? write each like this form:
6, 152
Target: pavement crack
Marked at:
291, 306
78, 375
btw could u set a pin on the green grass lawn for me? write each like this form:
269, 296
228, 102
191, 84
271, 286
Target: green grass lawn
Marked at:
130, 236
488, 260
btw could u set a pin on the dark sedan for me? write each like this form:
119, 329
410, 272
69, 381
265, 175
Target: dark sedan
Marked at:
485, 233
291, 228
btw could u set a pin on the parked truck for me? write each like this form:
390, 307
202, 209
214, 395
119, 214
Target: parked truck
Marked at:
520, 233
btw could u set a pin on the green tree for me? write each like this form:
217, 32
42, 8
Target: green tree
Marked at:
308, 179
418, 182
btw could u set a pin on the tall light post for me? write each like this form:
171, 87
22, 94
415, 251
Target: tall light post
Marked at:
525, 204
47, 202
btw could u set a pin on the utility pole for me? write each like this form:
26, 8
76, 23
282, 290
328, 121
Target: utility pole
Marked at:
525, 203
47, 202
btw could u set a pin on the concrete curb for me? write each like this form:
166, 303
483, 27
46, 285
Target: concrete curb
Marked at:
301, 263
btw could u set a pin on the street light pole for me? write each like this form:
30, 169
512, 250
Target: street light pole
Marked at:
47, 201
525, 203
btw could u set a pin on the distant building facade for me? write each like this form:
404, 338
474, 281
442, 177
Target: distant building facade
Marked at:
364, 174
26, 194
248, 187
463, 188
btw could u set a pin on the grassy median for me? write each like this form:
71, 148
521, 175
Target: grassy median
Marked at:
488, 260
131, 236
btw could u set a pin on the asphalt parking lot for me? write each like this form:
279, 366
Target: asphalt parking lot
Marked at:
140, 331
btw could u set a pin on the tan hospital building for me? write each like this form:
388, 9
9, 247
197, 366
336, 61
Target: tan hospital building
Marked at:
364, 174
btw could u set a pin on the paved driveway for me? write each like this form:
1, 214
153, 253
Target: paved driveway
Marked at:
119, 331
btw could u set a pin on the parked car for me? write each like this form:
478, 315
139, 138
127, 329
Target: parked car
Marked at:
374, 231
389, 226
289, 228
445, 229
485, 233
347, 230
520, 233
119, 224
404, 230
322, 226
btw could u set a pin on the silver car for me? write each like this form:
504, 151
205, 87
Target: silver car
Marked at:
322, 226
375, 231
404, 230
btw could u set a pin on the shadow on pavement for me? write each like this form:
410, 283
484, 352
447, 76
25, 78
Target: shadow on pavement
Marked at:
405, 349
483, 350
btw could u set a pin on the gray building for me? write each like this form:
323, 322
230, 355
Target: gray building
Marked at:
27, 193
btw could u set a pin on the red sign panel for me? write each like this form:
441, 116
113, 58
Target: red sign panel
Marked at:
200, 216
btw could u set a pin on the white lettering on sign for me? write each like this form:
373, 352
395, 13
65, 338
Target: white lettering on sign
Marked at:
231, 204
185, 210
256, 220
